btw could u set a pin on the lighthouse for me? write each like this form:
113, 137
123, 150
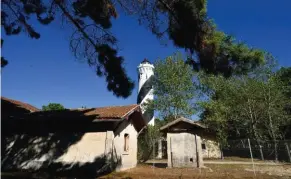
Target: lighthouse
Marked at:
145, 88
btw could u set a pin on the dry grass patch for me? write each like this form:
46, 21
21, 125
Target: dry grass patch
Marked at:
212, 172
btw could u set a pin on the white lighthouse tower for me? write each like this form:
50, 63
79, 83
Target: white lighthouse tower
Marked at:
145, 88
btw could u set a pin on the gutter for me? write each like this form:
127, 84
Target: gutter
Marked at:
130, 112
107, 120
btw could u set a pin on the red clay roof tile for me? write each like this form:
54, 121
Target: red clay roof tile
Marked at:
20, 104
111, 112
101, 113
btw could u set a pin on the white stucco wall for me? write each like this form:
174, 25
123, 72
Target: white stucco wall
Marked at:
128, 159
212, 149
90, 146
181, 148
102, 143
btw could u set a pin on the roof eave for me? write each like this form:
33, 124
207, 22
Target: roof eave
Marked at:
182, 119
107, 120
126, 115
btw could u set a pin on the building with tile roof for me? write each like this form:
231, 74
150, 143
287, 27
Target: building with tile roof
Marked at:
101, 139
10, 107
188, 143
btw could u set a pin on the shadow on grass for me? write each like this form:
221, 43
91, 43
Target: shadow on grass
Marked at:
90, 170
157, 165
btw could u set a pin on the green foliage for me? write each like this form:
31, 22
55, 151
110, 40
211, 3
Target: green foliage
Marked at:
187, 25
91, 39
284, 75
275, 102
222, 54
4, 62
146, 142
190, 28
159, 123
52, 107
248, 106
174, 89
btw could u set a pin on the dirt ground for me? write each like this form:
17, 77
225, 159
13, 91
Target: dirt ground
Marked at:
210, 172
226, 160
238, 159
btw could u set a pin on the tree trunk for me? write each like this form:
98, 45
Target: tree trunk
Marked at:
222, 157
147, 155
271, 125
261, 152
254, 128
276, 150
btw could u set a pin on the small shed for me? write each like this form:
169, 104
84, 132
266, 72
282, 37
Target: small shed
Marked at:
183, 144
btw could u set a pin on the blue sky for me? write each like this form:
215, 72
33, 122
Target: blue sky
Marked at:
43, 71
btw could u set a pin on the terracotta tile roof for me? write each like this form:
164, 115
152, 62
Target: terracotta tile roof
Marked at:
101, 113
185, 120
112, 112
20, 104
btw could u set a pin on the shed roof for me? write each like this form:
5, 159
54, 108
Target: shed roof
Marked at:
183, 120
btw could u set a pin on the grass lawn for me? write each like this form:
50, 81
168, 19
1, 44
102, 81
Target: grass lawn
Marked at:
237, 159
212, 172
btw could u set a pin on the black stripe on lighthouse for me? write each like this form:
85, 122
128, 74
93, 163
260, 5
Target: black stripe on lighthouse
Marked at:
145, 89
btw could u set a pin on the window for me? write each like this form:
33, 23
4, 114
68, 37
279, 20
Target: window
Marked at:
203, 146
126, 142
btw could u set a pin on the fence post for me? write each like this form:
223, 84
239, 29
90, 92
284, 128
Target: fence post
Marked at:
288, 151
171, 152
252, 156
160, 149
197, 153
261, 152
154, 151
221, 152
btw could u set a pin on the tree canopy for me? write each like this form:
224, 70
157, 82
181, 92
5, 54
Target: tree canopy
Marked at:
188, 25
91, 39
4, 62
52, 107
248, 106
284, 75
173, 88
185, 23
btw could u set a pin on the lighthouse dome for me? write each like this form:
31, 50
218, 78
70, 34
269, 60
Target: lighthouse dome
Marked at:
145, 61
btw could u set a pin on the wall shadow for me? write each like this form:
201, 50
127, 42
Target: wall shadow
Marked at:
19, 149
44, 137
